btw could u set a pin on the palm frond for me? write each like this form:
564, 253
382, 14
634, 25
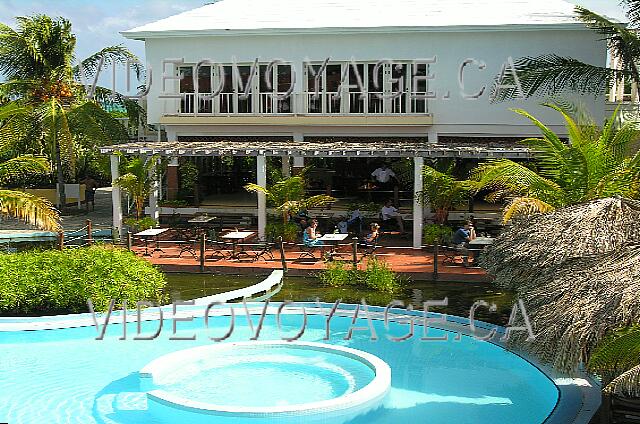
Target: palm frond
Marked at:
617, 353
33, 209
550, 74
633, 12
520, 181
626, 384
622, 41
318, 201
22, 167
107, 56
525, 206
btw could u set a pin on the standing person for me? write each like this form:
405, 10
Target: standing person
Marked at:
90, 187
384, 174
390, 212
386, 179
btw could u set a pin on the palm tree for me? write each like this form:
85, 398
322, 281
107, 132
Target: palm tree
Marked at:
36, 60
593, 163
32, 209
288, 196
443, 191
550, 74
137, 181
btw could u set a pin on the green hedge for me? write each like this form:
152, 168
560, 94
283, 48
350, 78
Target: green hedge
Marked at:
55, 282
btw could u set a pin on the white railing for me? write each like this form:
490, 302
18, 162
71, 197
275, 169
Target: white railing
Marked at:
352, 103
266, 288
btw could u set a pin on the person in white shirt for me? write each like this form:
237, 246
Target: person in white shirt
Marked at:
390, 212
384, 175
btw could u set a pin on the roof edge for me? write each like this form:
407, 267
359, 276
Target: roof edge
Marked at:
143, 35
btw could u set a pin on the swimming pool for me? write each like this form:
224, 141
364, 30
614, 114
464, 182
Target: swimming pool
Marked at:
64, 375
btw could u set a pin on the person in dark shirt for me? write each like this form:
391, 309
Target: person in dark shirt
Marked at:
461, 239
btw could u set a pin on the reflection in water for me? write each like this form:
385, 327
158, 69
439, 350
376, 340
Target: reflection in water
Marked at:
461, 295
403, 399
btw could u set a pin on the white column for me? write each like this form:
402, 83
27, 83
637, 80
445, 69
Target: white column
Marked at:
154, 212
418, 164
286, 166
298, 164
432, 136
262, 199
116, 199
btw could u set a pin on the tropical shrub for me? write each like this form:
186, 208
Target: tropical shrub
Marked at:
376, 276
140, 224
594, 163
188, 179
288, 232
443, 191
288, 196
437, 234
56, 282
138, 180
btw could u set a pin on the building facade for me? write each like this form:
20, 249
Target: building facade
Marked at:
276, 77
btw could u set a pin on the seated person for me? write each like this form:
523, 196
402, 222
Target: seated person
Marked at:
355, 220
343, 227
390, 212
310, 237
371, 238
461, 239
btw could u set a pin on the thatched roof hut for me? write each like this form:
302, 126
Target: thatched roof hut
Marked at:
577, 271
540, 243
580, 303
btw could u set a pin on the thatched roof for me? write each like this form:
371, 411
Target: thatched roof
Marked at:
579, 303
543, 242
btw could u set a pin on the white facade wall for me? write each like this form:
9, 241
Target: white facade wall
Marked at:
452, 116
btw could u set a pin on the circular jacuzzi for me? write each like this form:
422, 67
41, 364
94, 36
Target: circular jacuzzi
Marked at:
272, 381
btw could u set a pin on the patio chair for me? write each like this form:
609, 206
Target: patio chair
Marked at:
264, 249
308, 248
220, 248
187, 240
452, 252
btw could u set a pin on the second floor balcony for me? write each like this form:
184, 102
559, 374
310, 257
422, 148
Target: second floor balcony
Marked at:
338, 89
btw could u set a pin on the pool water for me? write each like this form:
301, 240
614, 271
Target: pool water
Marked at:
66, 376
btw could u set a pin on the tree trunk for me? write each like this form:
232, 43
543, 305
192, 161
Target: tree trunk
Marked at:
441, 216
58, 153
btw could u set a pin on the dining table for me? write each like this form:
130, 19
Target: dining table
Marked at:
236, 237
148, 235
333, 239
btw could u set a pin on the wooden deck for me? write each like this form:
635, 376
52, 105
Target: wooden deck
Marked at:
416, 264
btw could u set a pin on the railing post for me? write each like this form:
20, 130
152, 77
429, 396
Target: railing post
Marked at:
283, 259
354, 251
129, 240
60, 240
89, 232
203, 247
436, 250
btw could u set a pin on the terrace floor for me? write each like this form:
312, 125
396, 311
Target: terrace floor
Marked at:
416, 264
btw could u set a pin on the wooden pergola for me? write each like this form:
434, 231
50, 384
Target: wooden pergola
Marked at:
417, 149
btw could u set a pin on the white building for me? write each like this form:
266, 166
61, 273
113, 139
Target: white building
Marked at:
407, 78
